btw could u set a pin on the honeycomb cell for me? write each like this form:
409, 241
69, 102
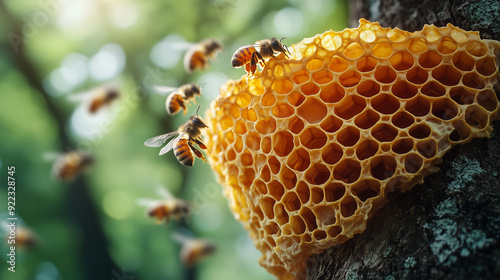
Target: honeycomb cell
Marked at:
313, 138
334, 231
417, 75
253, 141
349, 107
283, 110
418, 106
322, 77
241, 127
309, 218
444, 109
331, 124
272, 228
288, 178
366, 64
487, 99
368, 88
280, 214
403, 89
463, 61
420, 131
282, 86
461, 132
247, 176
334, 192
331, 153
303, 192
276, 189
314, 64
291, 202
402, 146
274, 164
462, 95
385, 104
300, 77
348, 206
231, 155
299, 160
349, 78
366, 189
267, 205
298, 225
382, 50
447, 46
473, 80
226, 122
396, 35
348, 136
417, 45
366, 119
309, 89
265, 174
266, 145
317, 174
476, 48
312, 110
354, 51
296, 125
384, 132
447, 75
243, 99
486, 66
427, 148
429, 59
366, 149
347, 170
402, 61
282, 143
367, 36
476, 117
325, 215
246, 158
332, 93
382, 167
413, 162
385, 74
295, 98
268, 99
433, 89
338, 64
278, 71
319, 234
266, 126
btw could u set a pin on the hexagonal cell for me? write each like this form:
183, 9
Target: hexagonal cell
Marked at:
384, 132
332, 93
476, 48
350, 106
348, 206
433, 89
234, 110
460, 133
444, 109
338, 64
366, 149
317, 174
309, 218
316, 195
447, 46
366, 64
348, 136
349, 78
300, 77
488, 100
243, 99
331, 124
417, 75
229, 136
274, 164
299, 159
367, 36
272, 228
319, 234
413, 163
309, 88
295, 125
282, 86
420, 131
271, 242
283, 143
473, 80
295, 98
354, 50
382, 50
252, 141
463, 61
230, 155
418, 106
246, 158
226, 122
312, 111
417, 45
330, 43
297, 224
249, 114
402, 119
267, 205
238, 145
266, 144
278, 71
385, 74
247, 176
266, 125
334, 192
265, 174
313, 138
314, 64
288, 178
241, 127
322, 76
268, 99
311, 49
427, 148
403, 89
281, 214
366, 119
382, 167
303, 192
347, 170
276, 189
476, 117
402, 61
282, 110
462, 95
429, 59
368, 88
402, 146
291, 202
334, 231
366, 189
385, 104
447, 75
486, 66
331, 153
325, 215
396, 35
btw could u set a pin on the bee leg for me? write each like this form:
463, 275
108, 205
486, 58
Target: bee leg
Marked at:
197, 152
201, 144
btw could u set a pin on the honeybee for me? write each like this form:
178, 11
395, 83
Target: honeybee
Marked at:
250, 55
179, 97
193, 250
166, 208
197, 56
96, 98
25, 238
71, 164
188, 134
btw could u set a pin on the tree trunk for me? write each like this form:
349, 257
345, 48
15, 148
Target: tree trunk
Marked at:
449, 227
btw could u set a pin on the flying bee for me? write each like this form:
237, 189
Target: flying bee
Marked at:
71, 164
193, 250
179, 97
250, 55
102, 97
166, 208
197, 56
188, 134
25, 238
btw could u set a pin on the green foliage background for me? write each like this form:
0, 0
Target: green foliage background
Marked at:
93, 227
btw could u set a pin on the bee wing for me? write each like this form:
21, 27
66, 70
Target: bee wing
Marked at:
163, 90
157, 141
146, 201
170, 145
164, 193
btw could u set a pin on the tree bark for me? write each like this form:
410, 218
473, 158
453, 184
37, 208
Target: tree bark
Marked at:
449, 227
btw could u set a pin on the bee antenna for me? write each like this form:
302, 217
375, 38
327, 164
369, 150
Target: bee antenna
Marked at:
197, 110
282, 39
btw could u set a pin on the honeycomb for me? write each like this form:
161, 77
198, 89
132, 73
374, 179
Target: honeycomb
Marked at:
308, 149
